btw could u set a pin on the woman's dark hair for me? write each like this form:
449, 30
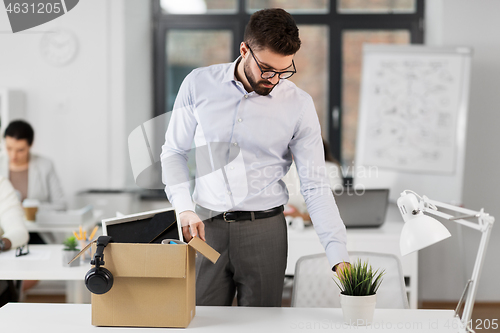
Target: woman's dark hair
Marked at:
20, 130
272, 29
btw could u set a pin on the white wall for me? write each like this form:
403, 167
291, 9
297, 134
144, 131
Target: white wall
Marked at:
82, 112
475, 24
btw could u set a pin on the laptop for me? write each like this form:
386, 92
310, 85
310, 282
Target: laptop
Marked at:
363, 209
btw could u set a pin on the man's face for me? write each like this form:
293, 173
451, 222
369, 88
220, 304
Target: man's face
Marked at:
268, 61
18, 150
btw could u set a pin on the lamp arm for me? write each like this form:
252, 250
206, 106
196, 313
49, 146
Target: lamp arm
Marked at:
457, 209
451, 218
484, 218
462, 298
476, 272
484, 225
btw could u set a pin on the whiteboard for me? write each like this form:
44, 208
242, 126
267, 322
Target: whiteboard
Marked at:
412, 120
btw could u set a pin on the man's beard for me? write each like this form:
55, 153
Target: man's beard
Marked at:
257, 86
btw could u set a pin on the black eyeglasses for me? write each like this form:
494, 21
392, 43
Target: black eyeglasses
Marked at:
266, 75
22, 250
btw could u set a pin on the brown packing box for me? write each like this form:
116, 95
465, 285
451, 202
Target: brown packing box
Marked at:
154, 284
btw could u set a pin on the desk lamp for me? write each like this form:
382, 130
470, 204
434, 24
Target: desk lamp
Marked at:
421, 231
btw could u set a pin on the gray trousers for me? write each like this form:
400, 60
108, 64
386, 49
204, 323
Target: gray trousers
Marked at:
252, 262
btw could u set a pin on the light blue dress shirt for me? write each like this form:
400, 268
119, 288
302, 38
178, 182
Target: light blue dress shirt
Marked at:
244, 145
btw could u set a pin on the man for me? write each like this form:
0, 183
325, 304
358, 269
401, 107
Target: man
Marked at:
13, 232
246, 121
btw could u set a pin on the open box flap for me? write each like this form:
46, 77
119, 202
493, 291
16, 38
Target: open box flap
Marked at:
206, 250
82, 251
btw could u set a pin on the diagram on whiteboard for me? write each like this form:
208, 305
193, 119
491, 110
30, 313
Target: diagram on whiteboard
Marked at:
409, 106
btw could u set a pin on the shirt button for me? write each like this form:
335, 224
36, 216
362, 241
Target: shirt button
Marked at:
240, 120
246, 96
235, 144
231, 168
229, 193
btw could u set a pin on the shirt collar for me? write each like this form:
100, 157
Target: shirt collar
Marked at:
229, 75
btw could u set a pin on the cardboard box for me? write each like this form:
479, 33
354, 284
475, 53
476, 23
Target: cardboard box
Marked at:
154, 284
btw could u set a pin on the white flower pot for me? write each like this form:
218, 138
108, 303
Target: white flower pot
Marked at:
358, 310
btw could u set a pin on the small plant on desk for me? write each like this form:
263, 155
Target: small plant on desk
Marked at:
358, 284
70, 244
70, 251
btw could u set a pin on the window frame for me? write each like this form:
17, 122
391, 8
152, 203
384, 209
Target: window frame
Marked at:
236, 22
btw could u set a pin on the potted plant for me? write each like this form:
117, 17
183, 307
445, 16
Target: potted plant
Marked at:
70, 251
358, 284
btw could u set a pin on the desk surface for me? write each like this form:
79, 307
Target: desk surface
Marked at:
76, 318
44, 262
87, 225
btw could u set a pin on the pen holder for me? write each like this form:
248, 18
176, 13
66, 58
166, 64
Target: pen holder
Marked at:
87, 255
68, 255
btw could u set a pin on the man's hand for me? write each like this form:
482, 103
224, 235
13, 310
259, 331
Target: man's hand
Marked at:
341, 266
191, 225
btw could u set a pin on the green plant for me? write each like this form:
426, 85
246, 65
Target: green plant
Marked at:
359, 279
70, 244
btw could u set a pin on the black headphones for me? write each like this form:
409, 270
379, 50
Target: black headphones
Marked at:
99, 280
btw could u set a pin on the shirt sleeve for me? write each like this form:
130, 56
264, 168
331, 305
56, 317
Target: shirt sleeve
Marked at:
178, 143
307, 149
12, 215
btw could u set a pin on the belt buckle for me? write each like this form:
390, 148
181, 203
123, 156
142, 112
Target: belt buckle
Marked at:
224, 216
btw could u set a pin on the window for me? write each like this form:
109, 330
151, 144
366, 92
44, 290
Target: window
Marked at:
187, 49
194, 33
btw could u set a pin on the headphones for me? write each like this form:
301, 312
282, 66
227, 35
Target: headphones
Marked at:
99, 280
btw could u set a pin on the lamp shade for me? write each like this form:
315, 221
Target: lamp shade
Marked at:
421, 231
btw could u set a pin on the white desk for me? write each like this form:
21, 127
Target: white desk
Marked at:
64, 228
76, 318
45, 263
382, 240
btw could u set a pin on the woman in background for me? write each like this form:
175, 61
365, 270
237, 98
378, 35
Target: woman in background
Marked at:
33, 176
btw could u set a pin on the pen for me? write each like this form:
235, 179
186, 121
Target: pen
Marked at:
76, 235
81, 235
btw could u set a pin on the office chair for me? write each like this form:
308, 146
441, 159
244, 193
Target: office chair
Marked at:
313, 284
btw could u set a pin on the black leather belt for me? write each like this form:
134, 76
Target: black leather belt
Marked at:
233, 216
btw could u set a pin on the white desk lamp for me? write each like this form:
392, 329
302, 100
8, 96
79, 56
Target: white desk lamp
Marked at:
421, 231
